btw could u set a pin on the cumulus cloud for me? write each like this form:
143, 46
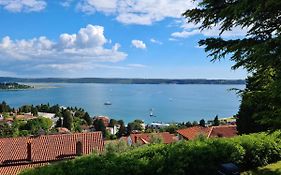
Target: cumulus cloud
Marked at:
81, 51
23, 5
138, 44
87, 44
144, 12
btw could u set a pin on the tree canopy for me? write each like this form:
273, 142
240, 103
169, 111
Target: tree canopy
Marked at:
259, 52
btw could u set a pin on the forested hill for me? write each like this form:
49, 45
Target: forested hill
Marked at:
12, 86
121, 80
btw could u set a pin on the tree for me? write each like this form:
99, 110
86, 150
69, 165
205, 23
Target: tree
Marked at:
202, 123
135, 125
112, 122
99, 126
4, 107
188, 124
67, 119
216, 121
122, 130
87, 118
194, 123
34, 111
37, 124
259, 52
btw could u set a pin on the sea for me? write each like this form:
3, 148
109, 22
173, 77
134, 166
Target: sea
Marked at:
167, 102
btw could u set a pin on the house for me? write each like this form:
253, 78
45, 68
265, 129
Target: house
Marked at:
62, 130
144, 138
104, 119
158, 125
20, 153
113, 130
25, 116
209, 132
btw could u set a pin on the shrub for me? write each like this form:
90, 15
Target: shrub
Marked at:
199, 157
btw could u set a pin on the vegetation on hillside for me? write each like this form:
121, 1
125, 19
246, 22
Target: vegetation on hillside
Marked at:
14, 86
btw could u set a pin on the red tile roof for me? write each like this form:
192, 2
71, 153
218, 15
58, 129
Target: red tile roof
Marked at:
145, 137
193, 132
210, 132
224, 131
13, 170
104, 119
47, 148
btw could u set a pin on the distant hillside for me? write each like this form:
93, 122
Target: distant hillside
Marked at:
120, 80
12, 86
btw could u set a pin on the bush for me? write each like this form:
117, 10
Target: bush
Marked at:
199, 157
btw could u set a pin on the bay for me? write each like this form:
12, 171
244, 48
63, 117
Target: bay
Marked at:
169, 102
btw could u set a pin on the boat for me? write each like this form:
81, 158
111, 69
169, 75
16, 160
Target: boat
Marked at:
151, 113
108, 103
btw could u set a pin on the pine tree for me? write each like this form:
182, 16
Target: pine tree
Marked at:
216, 121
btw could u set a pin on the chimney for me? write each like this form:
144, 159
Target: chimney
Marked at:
79, 148
29, 151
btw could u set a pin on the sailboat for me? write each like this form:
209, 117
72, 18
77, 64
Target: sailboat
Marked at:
151, 113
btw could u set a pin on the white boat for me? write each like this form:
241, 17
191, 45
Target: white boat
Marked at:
151, 113
108, 103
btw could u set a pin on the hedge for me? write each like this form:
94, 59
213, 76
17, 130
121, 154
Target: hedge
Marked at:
197, 157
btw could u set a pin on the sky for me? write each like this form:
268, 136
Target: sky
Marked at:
106, 38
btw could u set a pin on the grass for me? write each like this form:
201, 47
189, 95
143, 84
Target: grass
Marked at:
271, 169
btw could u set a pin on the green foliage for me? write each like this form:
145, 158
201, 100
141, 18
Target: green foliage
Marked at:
4, 107
216, 121
122, 130
67, 119
202, 123
13, 86
87, 118
37, 124
259, 52
135, 125
99, 126
197, 157
113, 122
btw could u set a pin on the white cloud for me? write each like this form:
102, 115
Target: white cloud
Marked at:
190, 29
155, 41
23, 5
138, 44
91, 6
143, 12
137, 65
85, 46
66, 3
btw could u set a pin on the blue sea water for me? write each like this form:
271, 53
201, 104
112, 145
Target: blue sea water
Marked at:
170, 102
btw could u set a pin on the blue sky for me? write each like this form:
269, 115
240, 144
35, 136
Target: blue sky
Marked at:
106, 38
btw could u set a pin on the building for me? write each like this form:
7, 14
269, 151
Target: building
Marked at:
144, 138
157, 125
113, 130
26, 116
20, 153
50, 116
104, 119
209, 132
